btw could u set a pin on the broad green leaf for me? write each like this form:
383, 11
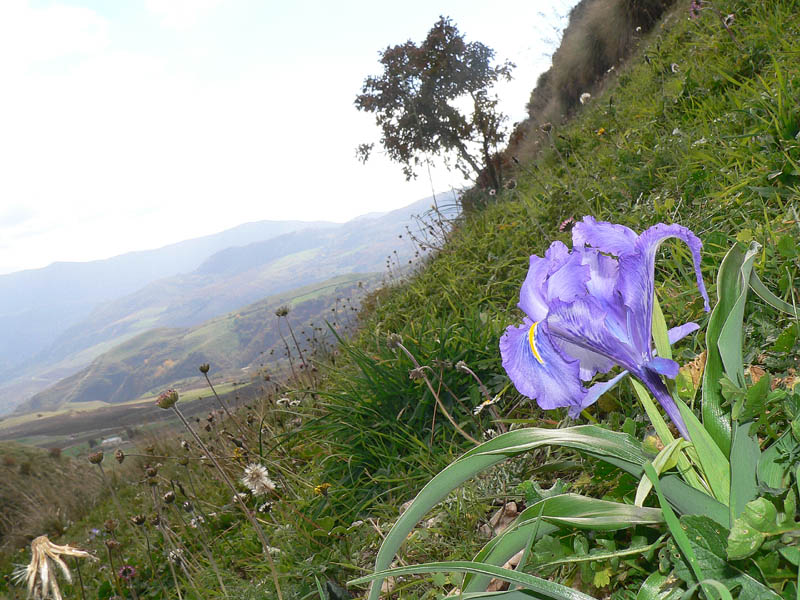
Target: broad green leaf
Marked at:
760, 520
674, 525
708, 541
787, 339
728, 289
664, 461
713, 462
787, 246
542, 587
618, 448
745, 453
602, 578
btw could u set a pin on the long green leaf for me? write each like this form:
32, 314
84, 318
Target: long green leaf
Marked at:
730, 336
652, 588
714, 463
660, 331
772, 470
565, 510
526, 529
745, 454
728, 289
591, 439
542, 587
674, 525
767, 296
689, 501
664, 434
603, 555
506, 595
664, 461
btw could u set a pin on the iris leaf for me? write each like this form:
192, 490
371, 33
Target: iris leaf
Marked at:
619, 448
541, 587
728, 289
745, 454
712, 461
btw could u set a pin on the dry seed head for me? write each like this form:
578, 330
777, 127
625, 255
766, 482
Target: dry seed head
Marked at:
204, 368
167, 399
119, 455
393, 340
39, 575
138, 520
112, 544
169, 497
256, 479
96, 457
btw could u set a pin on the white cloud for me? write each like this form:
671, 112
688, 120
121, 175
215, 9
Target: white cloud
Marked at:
33, 35
181, 14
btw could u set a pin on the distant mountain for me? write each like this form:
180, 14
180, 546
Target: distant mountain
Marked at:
37, 305
236, 345
224, 281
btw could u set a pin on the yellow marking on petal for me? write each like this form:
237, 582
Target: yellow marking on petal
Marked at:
532, 342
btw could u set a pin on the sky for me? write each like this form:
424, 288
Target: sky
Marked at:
132, 124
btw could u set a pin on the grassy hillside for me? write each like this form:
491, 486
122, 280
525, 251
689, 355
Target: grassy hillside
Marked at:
699, 128
39, 304
225, 281
238, 344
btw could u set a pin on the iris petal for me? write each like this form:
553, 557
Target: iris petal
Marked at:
606, 237
554, 382
532, 294
681, 331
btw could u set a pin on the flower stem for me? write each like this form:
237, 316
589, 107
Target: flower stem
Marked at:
436, 396
247, 513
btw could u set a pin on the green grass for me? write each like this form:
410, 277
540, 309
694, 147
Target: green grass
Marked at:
710, 143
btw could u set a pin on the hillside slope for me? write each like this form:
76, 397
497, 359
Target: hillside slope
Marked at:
238, 344
224, 281
37, 305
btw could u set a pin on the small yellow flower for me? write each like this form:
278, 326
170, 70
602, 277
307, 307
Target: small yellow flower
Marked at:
322, 489
238, 455
601, 131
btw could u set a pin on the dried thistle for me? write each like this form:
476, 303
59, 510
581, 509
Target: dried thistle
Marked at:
256, 479
39, 575
167, 399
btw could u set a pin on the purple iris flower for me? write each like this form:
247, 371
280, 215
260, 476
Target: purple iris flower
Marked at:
589, 309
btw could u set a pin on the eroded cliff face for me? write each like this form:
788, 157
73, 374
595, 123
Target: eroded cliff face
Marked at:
601, 34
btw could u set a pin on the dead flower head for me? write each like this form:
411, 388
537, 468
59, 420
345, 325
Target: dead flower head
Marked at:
256, 479
39, 575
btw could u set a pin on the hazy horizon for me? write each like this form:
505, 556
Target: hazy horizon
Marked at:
135, 125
